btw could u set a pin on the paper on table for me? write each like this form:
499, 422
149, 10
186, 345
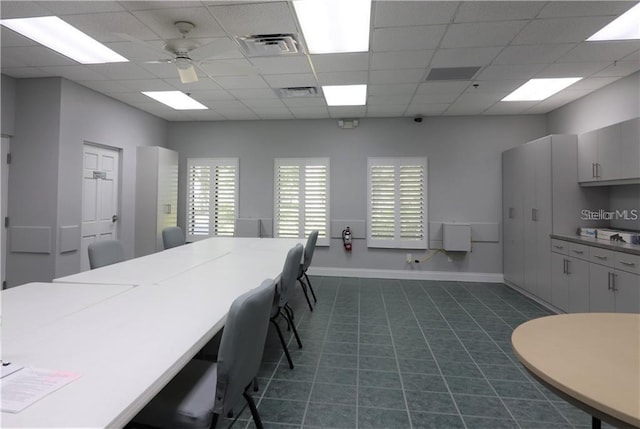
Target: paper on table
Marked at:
9, 368
24, 387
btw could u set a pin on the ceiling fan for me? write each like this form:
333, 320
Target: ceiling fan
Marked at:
187, 54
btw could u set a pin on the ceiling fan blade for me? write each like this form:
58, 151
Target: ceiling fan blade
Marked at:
188, 74
160, 61
215, 48
142, 43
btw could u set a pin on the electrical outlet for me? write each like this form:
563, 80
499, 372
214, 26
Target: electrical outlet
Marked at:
409, 258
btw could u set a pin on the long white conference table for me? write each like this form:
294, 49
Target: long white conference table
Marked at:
127, 335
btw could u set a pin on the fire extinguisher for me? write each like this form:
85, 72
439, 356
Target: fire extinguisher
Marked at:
346, 239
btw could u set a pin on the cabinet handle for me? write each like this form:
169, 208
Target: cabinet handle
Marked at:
609, 280
598, 165
613, 282
593, 170
568, 266
564, 266
558, 247
579, 252
628, 264
602, 258
534, 215
511, 213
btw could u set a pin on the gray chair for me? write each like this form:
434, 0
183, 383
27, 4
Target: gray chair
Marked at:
172, 236
281, 300
203, 391
304, 266
105, 252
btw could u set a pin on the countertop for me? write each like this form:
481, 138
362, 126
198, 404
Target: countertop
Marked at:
633, 249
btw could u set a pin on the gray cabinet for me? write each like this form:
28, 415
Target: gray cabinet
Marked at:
610, 154
512, 217
614, 282
569, 277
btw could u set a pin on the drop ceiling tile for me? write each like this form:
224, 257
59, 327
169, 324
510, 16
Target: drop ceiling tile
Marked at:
273, 113
486, 11
131, 98
480, 98
138, 52
343, 78
239, 115
74, 73
161, 22
501, 86
572, 69
426, 109
510, 71
255, 18
205, 115
373, 100
530, 54
407, 38
108, 87
203, 84
310, 112
212, 95
435, 98
464, 57
297, 102
34, 56
454, 87
558, 9
290, 80
263, 103
396, 76
392, 89
23, 9
408, 13
385, 111
348, 112
147, 85
482, 34
80, 7
256, 93
559, 30
465, 109
219, 105
239, 82
10, 38
592, 83
146, 5
282, 64
105, 27
161, 70
228, 68
24, 72
119, 71
619, 69
340, 62
510, 107
400, 60
600, 51
175, 116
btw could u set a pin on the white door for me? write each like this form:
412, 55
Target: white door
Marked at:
4, 192
100, 176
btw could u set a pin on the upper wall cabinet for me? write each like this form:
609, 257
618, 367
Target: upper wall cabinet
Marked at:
610, 155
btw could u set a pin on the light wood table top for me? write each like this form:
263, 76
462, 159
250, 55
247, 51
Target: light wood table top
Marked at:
593, 358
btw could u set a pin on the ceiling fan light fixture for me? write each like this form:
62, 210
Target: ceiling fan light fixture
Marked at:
186, 70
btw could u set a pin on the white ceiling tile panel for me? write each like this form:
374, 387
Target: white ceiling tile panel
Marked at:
133, 98
35, 56
255, 18
427, 109
400, 60
205, 115
510, 71
239, 115
122, 71
462, 57
484, 11
600, 51
228, 68
105, 86
572, 69
385, 111
480, 98
297, 102
80, 7
162, 70
310, 112
138, 52
147, 85
407, 38
24, 72
212, 95
435, 98
22, 9
161, 21
408, 13
263, 103
282, 64
238, 82
592, 83
74, 73
560, 30
11, 38
273, 113
396, 76
256, 93
471, 35
392, 89
203, 83
347, 112
161, 4
340, 62
619, 69
510, 107
343, 78
556, 9
290, 80
106, 27
373, 100
531, 54
455, 87
495, 86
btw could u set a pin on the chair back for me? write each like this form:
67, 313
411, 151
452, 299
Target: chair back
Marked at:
289, 274
308, 249
172, 236
105, 252
242, 344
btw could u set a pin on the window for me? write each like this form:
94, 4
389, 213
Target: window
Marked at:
397, 196
301, 187
212, 197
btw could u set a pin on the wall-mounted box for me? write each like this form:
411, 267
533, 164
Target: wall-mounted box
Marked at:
456, 237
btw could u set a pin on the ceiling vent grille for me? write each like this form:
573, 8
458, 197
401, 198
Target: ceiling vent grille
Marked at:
298, 91
270, 45
452, 73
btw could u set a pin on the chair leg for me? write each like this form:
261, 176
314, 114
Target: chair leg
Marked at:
284, 316
254, 410
256, 387
306, 295
289, 311
284, 345
214, 421
310, 287
295, 333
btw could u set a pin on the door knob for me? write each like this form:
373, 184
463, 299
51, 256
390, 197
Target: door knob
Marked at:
114, 218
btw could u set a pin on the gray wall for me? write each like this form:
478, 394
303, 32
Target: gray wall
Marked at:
54, 117
8, 106
464, 172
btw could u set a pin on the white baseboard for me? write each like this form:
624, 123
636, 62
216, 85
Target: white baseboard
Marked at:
407, 275
528, 294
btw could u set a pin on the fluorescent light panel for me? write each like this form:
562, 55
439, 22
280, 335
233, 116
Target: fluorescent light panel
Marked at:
175, 99
56, 34
539, 89
345, 95
334, 26
625, 27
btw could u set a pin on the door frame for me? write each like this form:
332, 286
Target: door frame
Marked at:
5, 148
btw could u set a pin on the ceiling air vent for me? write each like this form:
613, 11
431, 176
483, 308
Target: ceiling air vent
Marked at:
270, 45
452, 73
298, 91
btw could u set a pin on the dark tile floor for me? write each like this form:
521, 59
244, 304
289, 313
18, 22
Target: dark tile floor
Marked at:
406, 354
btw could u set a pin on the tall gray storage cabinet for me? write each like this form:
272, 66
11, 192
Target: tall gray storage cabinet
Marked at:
541, 196
156, 197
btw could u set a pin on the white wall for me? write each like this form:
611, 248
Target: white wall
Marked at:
7, 108
464, 172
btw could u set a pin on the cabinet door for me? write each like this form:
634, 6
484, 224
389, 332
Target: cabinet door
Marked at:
629, 165
627, 292
559, 282
608, 153
512, 216
542, 217
601, 297
587, 156
578, 285
529, 225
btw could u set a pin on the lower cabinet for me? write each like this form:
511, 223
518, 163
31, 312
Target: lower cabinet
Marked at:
570, 283
613, 290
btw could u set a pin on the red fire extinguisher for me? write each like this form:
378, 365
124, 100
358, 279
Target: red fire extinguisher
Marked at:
346, 239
